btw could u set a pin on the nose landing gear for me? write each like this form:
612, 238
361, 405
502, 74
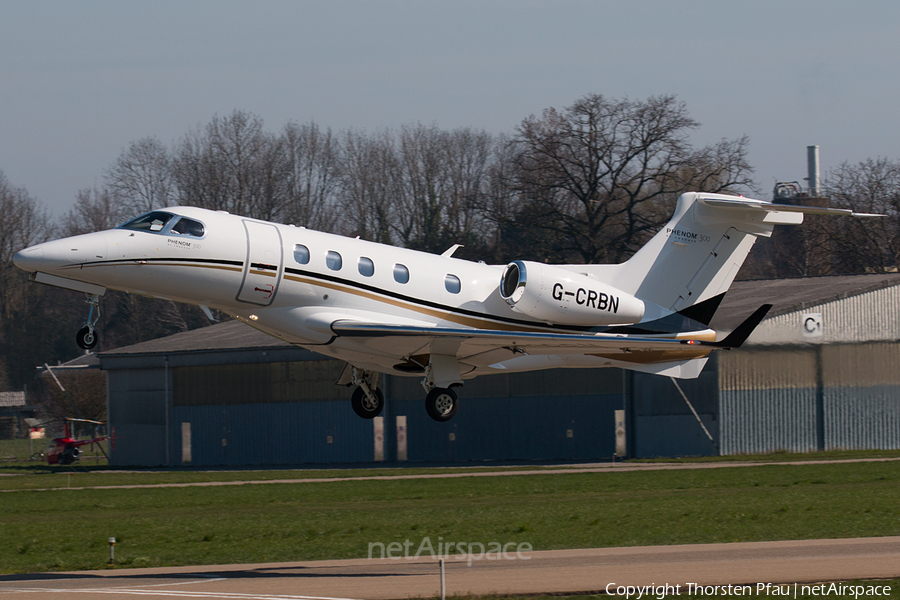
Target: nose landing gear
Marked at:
86, 337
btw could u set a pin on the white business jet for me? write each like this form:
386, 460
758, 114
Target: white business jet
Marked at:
384, 309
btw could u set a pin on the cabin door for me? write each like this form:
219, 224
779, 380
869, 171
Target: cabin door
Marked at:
263, 267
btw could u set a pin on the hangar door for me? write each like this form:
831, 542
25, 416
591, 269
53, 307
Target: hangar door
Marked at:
262, 269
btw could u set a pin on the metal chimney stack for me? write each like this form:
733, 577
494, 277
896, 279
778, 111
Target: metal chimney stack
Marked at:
812, 164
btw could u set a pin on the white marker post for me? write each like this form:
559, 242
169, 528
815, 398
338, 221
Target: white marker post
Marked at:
112, 550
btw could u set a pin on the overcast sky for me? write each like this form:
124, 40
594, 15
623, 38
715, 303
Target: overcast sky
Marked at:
80, 80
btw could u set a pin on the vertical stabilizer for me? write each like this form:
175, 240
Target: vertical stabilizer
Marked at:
696, 256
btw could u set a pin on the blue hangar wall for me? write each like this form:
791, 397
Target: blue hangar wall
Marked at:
281, 407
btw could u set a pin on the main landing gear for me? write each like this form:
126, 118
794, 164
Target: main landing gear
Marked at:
441, 403
86, 337
367, 400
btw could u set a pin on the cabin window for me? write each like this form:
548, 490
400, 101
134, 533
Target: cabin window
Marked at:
451, 282
188, 227
333, 260
366, 266
301, 254
154, 222
401, 273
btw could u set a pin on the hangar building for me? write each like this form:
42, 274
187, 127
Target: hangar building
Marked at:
821, 372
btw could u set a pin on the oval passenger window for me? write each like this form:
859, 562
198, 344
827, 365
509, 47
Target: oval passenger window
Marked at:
333, 260
451, 282
366, 267
401, 273
301, 254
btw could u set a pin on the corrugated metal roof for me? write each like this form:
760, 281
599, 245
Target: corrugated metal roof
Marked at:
791, 295
12, 399
870, 316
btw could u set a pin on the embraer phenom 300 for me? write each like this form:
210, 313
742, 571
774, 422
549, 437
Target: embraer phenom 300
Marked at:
384, 309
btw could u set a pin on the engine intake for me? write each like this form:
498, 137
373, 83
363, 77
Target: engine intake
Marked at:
556, 295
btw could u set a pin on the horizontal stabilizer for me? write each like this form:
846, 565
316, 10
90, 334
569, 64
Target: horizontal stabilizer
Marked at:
747, 203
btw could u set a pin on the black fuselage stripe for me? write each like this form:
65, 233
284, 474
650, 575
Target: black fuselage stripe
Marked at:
436, 305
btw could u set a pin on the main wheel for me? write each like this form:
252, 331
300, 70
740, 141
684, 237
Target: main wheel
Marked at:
441, 404
364, 406
86, 338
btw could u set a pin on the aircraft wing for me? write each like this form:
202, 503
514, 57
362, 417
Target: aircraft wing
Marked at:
463, 342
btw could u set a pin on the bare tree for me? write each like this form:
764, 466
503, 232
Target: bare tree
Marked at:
369, 185
441, 186
27, 335
23, 222
468, 158
141, 178
872, 244
421, 203
312, 175
499, 204
233, 165
600, 176
195, 173
94, 210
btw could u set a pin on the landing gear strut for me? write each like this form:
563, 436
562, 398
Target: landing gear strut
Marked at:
367, 400
86, 337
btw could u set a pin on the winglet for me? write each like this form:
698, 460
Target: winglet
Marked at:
737, 337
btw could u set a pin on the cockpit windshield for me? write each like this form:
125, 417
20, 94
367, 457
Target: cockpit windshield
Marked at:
154, 221
186, 226
166, 223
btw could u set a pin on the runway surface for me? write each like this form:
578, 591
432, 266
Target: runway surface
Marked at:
572, 571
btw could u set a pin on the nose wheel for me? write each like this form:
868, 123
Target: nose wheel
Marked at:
86, 337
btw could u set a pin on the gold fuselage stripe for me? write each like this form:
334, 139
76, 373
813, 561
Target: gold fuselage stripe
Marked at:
447, 314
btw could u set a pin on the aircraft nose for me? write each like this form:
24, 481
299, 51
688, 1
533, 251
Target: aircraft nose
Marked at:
29, 259
53, 255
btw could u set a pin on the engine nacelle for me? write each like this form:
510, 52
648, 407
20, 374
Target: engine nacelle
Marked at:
556, 295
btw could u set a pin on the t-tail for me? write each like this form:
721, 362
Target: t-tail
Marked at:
688, 266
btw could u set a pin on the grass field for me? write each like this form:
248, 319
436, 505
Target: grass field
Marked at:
68, 529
